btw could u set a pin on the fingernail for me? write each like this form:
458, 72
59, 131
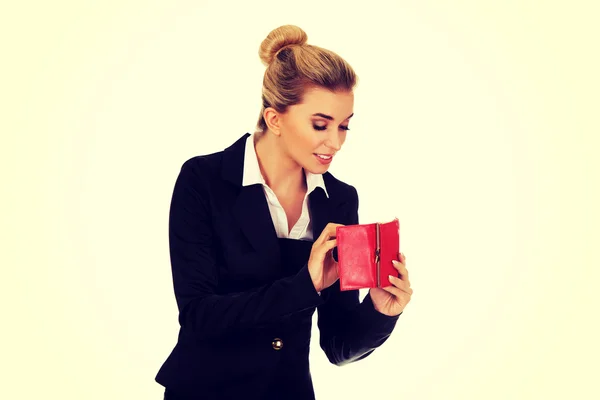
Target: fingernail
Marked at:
392, 277
396, 262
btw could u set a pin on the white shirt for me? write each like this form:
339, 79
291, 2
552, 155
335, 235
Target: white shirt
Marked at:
303, 228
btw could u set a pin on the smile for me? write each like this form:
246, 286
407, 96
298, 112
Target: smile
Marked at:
324, 158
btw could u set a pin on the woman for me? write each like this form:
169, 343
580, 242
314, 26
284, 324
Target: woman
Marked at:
251, 234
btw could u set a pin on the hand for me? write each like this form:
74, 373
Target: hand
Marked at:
322, 267
391, 300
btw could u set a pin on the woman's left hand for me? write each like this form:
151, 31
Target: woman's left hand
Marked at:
391, 300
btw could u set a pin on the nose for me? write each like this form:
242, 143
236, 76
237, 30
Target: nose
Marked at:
334, 141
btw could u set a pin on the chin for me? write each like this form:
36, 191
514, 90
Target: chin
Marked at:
317, 169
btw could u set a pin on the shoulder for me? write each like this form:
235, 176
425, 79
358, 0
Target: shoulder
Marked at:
226, 164
197, 175
203, 166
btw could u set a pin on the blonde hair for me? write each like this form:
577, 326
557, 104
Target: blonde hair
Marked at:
294, 66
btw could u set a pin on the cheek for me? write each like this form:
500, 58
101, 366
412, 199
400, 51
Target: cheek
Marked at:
343, 137
305, 139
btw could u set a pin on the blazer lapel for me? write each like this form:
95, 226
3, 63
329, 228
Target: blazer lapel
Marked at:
254, 218
250, 208
320, 213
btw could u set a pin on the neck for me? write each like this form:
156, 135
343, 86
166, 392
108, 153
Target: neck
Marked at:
281, 173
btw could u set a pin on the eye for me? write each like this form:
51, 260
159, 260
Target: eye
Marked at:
322, 128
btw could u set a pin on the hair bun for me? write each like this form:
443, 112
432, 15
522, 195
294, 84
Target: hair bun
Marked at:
278, 38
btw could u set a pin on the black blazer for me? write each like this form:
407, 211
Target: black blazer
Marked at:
232, 299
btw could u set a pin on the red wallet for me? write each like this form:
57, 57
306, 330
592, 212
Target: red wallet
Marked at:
365, 253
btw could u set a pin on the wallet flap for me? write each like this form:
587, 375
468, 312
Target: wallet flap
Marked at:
356, 256
390, 247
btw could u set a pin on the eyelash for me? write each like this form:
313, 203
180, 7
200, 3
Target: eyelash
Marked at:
322, 128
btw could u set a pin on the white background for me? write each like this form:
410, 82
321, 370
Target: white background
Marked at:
475, 124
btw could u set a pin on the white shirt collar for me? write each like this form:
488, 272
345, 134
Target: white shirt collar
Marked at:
252, 174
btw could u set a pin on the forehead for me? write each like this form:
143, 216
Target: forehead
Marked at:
338, 104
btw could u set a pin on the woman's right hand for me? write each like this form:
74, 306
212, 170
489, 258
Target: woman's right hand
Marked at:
322, 267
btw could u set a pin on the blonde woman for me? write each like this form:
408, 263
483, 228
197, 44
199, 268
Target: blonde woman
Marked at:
251, 236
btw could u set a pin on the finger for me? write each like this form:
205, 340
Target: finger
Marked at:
400, 257
401, 269
393, 290
397, 292
404, 273
330, 244
401, 285
332, 229
328, 232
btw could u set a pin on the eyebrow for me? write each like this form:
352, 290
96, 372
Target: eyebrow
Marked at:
329, 117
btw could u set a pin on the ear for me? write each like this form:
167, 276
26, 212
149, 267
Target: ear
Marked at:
273, 120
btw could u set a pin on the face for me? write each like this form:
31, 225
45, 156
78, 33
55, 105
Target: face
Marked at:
312, 133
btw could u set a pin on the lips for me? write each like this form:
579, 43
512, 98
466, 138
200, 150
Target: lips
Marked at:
324, 158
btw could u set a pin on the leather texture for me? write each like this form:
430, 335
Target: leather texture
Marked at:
356, 254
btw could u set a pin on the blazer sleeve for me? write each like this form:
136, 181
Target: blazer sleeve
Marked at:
351, 330
202, 312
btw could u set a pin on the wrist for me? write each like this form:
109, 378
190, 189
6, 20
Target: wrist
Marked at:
314, 281
317, 287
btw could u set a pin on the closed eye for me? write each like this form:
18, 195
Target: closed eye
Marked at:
322, 128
